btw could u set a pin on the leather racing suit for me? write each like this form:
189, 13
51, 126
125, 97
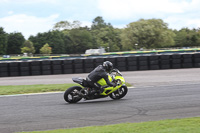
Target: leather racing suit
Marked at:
98, 73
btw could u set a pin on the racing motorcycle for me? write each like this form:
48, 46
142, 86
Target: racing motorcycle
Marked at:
76, 93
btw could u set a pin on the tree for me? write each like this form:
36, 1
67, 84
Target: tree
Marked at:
152, 33
28, 47
55, 39
98, 23
46, 49
15, 42
39, 40
187, 38
3, 41
68, 43
108, 38
81, 40
66, 25
105, 35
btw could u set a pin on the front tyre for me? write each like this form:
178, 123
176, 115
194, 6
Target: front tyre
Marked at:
71, 95
120, 93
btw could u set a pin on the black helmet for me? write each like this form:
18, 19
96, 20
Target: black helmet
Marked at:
108, 66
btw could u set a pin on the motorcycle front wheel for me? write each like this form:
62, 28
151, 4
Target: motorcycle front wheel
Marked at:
71, 95
120, 93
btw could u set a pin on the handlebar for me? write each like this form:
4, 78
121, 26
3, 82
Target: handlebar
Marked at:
117, 71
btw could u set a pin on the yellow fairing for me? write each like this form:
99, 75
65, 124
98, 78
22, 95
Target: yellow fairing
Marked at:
110, 90
102, 82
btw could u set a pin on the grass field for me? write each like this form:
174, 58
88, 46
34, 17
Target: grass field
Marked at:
24, 89
187, 125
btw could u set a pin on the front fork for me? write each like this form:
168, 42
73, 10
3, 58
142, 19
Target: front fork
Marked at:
119, 91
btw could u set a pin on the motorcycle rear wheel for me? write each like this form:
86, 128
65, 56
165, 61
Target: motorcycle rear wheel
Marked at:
71, 96
120, 93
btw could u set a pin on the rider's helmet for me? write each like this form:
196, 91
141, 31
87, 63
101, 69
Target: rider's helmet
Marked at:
108, 66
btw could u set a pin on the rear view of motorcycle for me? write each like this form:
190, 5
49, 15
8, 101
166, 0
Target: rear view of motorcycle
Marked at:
76, 93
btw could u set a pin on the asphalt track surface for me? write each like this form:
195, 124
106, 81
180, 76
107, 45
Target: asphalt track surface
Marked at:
157, 95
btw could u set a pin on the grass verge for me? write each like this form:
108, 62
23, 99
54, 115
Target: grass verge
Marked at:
187, 125
23, 89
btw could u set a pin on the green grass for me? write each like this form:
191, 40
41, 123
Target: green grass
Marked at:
187, 125
23, 89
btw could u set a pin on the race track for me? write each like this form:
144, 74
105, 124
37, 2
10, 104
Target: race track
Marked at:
155, 100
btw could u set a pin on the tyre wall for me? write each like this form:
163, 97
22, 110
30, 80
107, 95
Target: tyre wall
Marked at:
86, 65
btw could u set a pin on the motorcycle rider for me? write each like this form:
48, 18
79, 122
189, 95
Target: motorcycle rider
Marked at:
99, 72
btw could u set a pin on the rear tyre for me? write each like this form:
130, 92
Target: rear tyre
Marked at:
120, 93
71, 95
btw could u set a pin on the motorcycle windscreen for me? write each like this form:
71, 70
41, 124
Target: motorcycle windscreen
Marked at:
102, 82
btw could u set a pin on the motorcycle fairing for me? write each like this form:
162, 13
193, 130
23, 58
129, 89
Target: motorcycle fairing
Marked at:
111, 89
80, 81
102, 81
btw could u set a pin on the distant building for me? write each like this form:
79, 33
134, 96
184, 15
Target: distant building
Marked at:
95, 51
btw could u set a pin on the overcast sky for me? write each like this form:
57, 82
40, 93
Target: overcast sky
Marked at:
33, 16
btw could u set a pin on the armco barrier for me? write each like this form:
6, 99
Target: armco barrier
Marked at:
87, 64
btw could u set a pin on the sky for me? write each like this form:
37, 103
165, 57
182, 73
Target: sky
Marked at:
37, 16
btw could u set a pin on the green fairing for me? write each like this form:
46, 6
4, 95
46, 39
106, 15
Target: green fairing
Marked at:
102, 82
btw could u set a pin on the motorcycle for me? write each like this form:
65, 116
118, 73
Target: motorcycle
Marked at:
76, 93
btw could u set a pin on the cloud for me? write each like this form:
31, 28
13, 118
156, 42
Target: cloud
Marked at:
178, 22
86, 23
177, 13
28, 1
31, 17
10, 12
28, 25
190, 17
126, 9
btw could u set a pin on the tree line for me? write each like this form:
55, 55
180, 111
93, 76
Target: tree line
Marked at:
70, 38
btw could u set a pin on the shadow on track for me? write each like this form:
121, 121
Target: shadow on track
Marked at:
96, 101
